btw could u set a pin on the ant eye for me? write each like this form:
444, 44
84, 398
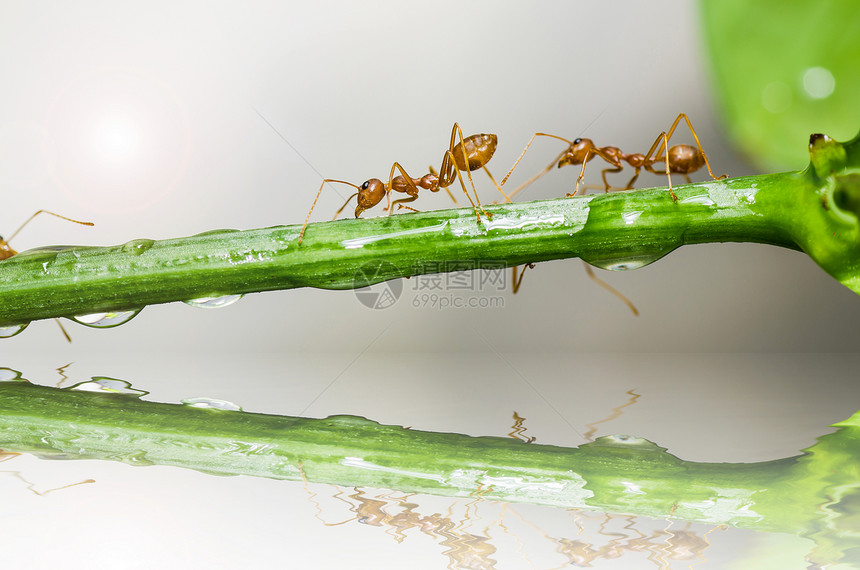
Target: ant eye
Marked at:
577, 141
366, 185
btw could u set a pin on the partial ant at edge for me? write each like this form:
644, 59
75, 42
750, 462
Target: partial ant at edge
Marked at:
6, 250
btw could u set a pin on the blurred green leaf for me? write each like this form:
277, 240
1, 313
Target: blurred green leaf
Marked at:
783, 70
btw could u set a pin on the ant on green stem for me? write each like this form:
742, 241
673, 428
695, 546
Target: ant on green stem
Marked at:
681, 159
470, 153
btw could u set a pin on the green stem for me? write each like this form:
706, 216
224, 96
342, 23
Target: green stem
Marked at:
803, 494
815, 211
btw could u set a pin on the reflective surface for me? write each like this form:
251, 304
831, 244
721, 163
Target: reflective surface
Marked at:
788, 402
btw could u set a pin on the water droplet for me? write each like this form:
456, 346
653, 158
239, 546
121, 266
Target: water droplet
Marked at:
624, 263
212, 404
818, 82
515, 222
701, 199
137, 246
109, 385
9, 375
214, 302
776, 97
623, 440
12, 330
631, 217
106, 320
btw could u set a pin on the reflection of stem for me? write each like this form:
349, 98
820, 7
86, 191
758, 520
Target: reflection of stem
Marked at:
613, 473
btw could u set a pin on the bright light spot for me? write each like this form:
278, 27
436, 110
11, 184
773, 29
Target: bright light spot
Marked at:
776, 97
117, 138
818, 82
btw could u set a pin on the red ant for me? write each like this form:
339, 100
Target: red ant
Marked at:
679, 159
6, 250
471, 153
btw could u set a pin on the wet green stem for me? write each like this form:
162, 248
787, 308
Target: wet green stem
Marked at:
815, 211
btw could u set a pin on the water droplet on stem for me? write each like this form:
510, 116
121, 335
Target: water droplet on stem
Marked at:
212, 404
109, 385
12, 330
213, 302
106, 320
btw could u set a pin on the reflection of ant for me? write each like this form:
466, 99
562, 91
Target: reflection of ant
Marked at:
7, 455
6, 250
679, 159
471, 153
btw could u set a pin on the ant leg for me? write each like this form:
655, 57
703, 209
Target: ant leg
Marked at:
46, 212
308, 217
581, 176
409, 183
516, 283
603, 175
63, 330
610, 288
538, 175
541, 173
662, 153
452, 164
668, 174
402, 201
496, 184
633, 180
698, 144
432, 171
465, 158
339, 210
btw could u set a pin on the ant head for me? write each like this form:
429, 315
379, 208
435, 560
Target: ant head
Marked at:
578, 152
370, 194
5, 250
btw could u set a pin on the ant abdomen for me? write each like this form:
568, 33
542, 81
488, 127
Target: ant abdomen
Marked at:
684, 159
479, 150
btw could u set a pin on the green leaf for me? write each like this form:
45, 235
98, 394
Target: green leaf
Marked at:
783, 70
